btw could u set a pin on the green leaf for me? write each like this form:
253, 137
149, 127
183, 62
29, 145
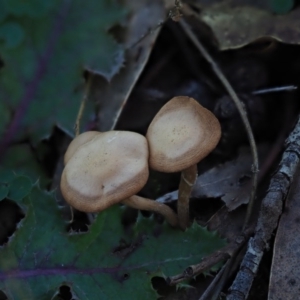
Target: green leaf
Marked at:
6, 175
41, 256
4, 117
281, 6
32, 8
3, 12
12, 34
22, 161
4, 189
41, 80
19, 188
13, 186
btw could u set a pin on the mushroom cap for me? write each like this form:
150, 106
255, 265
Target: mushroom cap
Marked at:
77, 142
106, 170
181, 134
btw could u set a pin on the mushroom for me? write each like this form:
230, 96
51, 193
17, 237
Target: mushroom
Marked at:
108, 168
77, 142
181, 134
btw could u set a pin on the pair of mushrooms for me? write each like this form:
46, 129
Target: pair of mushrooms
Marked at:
105, 168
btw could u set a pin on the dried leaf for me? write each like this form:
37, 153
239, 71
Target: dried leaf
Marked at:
227, 224
229, 181
236, 23
113, 96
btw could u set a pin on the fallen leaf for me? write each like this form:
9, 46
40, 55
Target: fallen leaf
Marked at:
228, 224
237, 23
139, 40
229, 181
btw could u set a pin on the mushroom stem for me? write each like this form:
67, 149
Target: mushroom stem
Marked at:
187, 180
151, 205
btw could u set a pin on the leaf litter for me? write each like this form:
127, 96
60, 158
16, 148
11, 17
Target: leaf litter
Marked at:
113, 95
237, 23
123, 248
228, 181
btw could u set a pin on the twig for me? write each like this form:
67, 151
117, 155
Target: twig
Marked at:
229, 268
150, 31
205, 264
240, 108
78, 119
82, 104
33, 85
271, 209
209, 261
215, 287
285, 88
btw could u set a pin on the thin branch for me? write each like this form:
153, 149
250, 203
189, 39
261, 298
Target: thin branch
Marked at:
150, 31
82, 104
216, 286
284, 88
208, 262
240, 108
271, 209
78, 119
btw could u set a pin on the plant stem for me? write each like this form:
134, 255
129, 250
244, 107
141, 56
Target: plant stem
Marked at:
78, 119
141, 203
187, 180
240, 108
82, 104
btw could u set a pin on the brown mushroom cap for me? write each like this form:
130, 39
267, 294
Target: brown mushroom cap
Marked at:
106, 170
181, 134
77, 142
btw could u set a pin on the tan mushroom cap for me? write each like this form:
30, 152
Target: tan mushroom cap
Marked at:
106, 170
77, 142
181, 134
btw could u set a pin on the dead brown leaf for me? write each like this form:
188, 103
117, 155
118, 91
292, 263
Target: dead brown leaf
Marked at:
112, 96
236, 23
227, 224
230, 181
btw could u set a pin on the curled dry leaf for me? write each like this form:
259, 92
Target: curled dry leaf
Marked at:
236, 23
230, 181
113, 96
